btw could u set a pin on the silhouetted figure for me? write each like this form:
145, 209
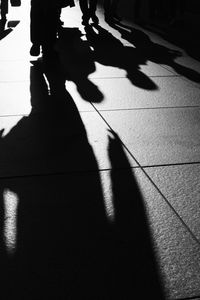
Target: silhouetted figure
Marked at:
4, 9
88, 8
115, 54
110, 10
44, 26
151, 51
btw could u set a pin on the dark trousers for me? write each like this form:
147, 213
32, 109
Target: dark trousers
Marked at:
88, 7
4, 8
44, 24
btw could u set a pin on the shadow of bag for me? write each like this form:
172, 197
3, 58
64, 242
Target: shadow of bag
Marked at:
15, 2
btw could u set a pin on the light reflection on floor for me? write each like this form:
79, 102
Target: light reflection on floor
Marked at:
11, 202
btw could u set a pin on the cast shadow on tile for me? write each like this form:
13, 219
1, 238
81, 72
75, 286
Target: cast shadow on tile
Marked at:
6, 27
78, 63
184, 37
63, 245
110, 51
154, 52
53, 132
79, 52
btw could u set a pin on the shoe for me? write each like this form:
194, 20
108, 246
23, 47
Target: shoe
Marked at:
35, 50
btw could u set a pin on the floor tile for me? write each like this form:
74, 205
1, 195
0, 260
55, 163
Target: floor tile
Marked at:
14, 71
57, 139
83, 95
188, 68
157, 137
15, 98
181, 187
176, 249
97, 52
187, 62
15, 46
92, 222
167, 92
55, 237
148, 68
144, 244
18, 97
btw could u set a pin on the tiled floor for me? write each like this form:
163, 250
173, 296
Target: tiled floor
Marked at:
100, 182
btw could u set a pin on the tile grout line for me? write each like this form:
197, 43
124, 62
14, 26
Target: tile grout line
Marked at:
181, 77
110, 110
153, 183
188, 298
153, 108
61, 173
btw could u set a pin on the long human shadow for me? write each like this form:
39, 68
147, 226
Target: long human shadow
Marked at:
110, 51
134, 252
182, 34
78, 63
65, 246
153, 51
61, 226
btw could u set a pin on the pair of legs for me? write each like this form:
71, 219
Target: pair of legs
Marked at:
88, 8
43, 26
4, 9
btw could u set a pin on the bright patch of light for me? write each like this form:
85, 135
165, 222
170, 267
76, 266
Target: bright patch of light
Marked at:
11, 201
106, 185
7, 124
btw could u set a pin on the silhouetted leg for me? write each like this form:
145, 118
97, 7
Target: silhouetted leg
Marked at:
50, 29
44, 26
4, 9
85, 11
36, 27
93, 7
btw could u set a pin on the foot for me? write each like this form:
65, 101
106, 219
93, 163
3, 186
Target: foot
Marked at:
35, 50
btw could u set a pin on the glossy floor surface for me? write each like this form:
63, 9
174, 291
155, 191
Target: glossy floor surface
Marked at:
99, 164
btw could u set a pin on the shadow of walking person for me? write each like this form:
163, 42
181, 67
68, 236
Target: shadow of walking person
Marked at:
57, 242
77, 61
135, 264
110, 51
155, 52
60, 225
